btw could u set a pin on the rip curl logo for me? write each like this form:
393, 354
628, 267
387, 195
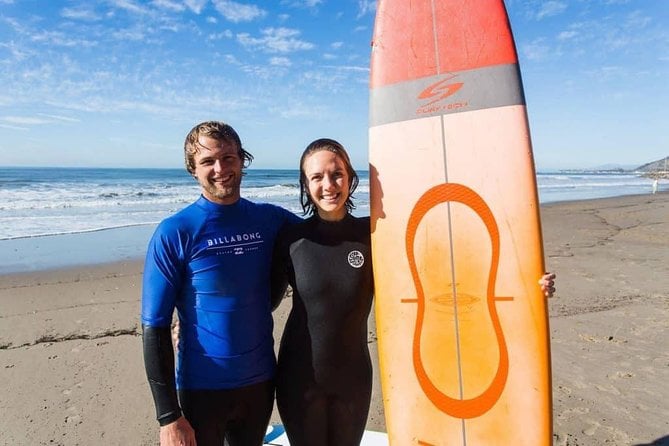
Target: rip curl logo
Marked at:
356, 259
436, 93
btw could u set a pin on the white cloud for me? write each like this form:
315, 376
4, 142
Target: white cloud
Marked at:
212, 20
366, 7
24, 120
276, 40
616, 41
536, 50
227, 34
129, 6
551, 8
238, 12
567, 35
636, 20
80, 13
60, 118
336, 45
135, 34
196, 5
334, 78
170, 5
12, 127
280, 61
606, 72
58, 38
259, 71
352, 68
18, 27
19, 54
302, 3
231, 59
300, 110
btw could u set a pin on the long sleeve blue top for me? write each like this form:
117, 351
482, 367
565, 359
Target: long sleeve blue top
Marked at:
212, 263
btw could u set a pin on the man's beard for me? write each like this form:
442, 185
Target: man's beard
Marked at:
223, 192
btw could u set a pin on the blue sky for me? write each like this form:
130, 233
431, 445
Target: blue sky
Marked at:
119, 83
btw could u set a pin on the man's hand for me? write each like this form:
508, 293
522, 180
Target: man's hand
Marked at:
178, 433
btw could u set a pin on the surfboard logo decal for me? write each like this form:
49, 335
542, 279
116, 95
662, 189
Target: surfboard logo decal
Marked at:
440, 89
438, 92
356, 259
477, 406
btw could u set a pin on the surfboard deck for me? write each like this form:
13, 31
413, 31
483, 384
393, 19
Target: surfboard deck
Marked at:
456, 239
276, 436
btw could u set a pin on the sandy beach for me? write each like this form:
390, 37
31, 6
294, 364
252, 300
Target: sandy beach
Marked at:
71, 368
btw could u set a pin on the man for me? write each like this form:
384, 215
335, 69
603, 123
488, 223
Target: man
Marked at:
211, 261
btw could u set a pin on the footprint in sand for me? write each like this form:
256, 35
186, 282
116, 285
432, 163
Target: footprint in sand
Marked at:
74, 419
78, 385
592, 429
565, 390
576, 411
608, 389
620, 375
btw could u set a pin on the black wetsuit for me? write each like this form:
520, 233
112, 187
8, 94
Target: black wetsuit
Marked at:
324, 376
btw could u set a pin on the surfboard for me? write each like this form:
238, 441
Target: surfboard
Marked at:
456, 239
276, 436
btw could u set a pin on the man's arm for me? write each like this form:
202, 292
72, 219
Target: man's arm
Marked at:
278, 279
160, 285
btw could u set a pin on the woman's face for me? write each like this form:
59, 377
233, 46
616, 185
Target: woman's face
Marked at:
327, 182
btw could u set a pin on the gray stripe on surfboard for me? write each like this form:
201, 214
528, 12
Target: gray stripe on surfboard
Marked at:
482, 88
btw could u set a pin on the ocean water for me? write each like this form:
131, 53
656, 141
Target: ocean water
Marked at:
106, 214
49, 201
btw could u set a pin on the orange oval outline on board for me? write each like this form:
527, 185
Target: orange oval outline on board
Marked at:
459, 408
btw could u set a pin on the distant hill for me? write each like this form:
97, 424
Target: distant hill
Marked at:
656, 168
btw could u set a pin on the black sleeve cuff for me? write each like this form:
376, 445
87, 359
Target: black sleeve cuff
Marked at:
159, 364
168, 418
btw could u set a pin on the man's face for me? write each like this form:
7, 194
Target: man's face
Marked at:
218, 169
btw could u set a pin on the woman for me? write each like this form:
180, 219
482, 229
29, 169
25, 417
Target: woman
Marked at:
324, 376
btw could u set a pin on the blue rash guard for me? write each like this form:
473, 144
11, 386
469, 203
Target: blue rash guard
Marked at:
212, 263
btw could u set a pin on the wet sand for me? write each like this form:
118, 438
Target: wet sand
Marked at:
71, 370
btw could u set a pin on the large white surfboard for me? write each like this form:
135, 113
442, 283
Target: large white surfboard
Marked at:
461, 321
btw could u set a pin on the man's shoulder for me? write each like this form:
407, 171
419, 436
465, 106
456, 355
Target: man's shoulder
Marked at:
189, 217
271, 210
